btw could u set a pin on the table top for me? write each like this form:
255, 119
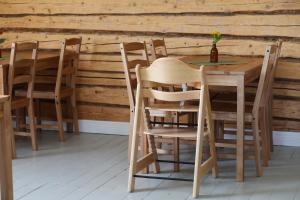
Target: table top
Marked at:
244, 65
247, 67
44, 57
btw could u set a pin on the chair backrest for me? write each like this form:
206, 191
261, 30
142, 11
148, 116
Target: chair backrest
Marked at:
266, 77
22, 70
158, 49
68, 62
272, 76
171, 71
133, 54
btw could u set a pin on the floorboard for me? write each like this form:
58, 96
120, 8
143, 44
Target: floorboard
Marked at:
95, 167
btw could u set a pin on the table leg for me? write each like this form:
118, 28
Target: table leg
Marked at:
6, 188
240, 129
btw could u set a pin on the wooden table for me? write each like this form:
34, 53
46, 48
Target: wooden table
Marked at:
46, 60
237, 75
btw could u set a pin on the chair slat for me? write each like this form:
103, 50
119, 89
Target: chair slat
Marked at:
182, 74
133, 63
171, 96
22, 79
25, 46
133, 46
158, 49
23, 63
68, 70
73, 41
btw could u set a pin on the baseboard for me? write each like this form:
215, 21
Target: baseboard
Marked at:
286, 138
104, 127
122, 128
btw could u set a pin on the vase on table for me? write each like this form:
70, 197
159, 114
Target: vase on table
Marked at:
214, 54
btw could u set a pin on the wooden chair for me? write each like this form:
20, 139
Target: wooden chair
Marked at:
226, 111
64, 88
267, 116
141, 58
158, 49
21, 75
266, 111
173, 72
6, 181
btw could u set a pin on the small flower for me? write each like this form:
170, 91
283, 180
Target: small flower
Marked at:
216, 36
2, 39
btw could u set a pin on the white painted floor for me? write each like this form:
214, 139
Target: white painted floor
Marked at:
94, 167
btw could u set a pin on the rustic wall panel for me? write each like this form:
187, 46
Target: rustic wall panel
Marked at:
247, 27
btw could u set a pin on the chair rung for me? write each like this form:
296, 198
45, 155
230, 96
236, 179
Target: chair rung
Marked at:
178, 162
233, 156
20, 133
231, 143
164, 151
173, 123
46, 126
164, 178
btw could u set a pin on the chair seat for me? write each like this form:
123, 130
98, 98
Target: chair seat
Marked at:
171, 132
19, 102
227, 111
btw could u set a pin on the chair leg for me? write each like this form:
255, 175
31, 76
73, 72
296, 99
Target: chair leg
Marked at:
59, 119
32, 126
13, 143
133, 157
130, 132
38, 114
176, 154
255, 130
70, 125
264, 138
75, 113
20, 119
270, 118
145, 146
213, 152
198, 160
152, 146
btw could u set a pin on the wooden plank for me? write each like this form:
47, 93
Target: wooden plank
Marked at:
288, 69
286, 108
284, 25
90, 112
176, 45
106, 113
95, 74
102, 95
142, 6
286, 125
100, 81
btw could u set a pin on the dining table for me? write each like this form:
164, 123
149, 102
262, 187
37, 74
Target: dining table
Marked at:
231, 71
46, 60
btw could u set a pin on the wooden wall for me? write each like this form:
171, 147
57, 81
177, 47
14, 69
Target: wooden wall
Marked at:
247, 27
